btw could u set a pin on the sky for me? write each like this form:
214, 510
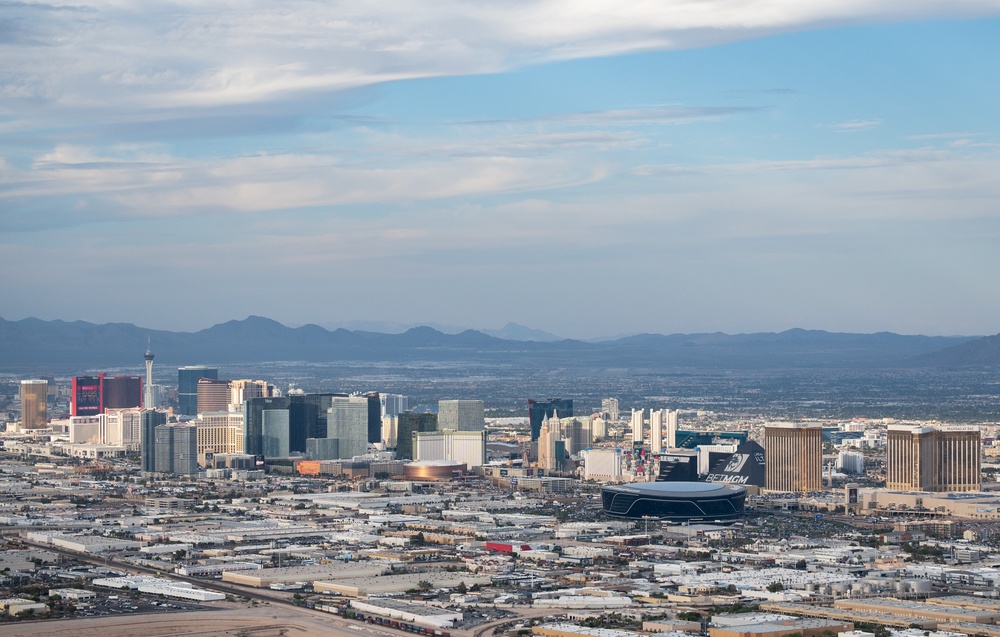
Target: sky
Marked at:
583, 167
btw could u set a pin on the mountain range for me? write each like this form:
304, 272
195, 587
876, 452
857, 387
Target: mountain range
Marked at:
32, 343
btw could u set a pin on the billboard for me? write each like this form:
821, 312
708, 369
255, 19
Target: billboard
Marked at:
86, 396
745, 466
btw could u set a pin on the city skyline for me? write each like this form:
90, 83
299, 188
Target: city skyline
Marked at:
725, 167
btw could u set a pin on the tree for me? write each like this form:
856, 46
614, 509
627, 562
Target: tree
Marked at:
775, 587
461, 589
424, 586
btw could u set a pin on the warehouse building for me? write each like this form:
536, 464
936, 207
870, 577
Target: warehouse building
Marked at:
424, 614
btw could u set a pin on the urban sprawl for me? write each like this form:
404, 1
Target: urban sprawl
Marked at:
235, 507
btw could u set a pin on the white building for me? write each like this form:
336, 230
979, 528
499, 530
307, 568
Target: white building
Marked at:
457, 446
670, 424
704, 455
656, 430
123, 427
603, 465
637, 425
85, 430
115, 427
156, 586
852, 462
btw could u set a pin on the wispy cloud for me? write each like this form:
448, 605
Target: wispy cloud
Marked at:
855, 125
630, 117
944, 135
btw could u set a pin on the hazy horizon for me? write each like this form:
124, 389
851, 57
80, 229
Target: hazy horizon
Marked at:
398, 328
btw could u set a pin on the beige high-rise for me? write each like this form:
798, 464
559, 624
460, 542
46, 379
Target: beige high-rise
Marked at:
794, 460
34, 404
219, 432
213, 395
933, 459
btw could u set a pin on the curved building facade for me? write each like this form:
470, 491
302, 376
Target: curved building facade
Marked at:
434, 470
675, 501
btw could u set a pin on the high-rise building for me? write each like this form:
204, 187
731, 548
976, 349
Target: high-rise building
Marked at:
93, 395
243, 390
670, 424
219, 433
551, 447
390, 427
122, 391
150, 421
609, 408
392, 404
637, 426
851, 462
213, 395
34, 404
461, 415
933, 458
276, 433
576, 433
309, 416
347, 421
322, 449
187, 387
468, 447
149, 396
794, 457
539, 410
253, 427
407, 423
86, 395
123, 427
598, 429
374, 418
656, 430
176, 450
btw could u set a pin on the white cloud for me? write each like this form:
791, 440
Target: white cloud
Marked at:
145, 184
182, 54
855, 125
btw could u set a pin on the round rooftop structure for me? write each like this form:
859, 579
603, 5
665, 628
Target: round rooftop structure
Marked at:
434, 470
675, 501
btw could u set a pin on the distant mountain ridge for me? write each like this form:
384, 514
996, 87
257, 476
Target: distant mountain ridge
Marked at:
72, 345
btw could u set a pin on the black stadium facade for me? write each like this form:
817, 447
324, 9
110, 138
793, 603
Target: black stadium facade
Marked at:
675, 501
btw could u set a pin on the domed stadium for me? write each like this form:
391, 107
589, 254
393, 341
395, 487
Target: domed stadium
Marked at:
675, 501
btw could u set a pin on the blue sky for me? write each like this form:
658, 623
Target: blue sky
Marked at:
579, 167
